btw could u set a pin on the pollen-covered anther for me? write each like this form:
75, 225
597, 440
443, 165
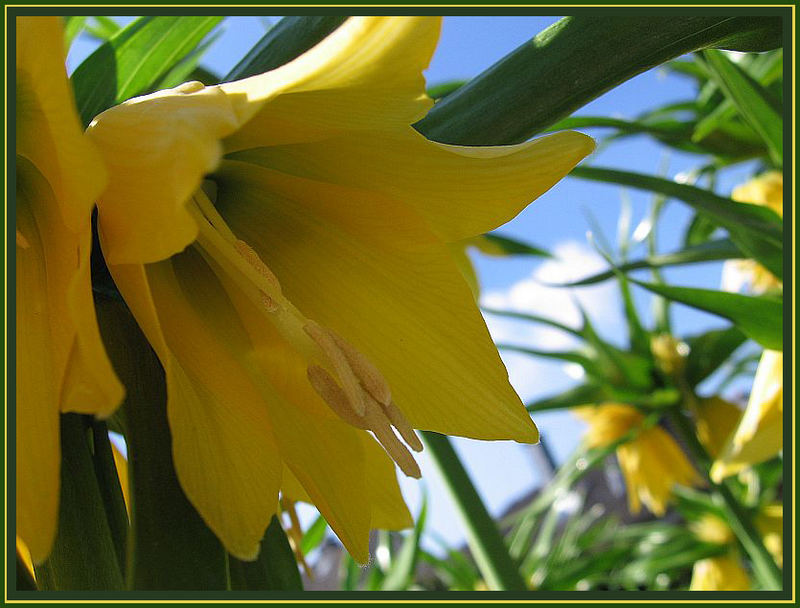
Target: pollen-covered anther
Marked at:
379, 423
256, 262
348, 380
368, 375
332, 394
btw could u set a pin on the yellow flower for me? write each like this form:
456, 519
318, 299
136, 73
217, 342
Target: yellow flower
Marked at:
759, 434
715, 420
60, 361
769, 522
304, 293
765, 190
652, 463
719, 573
712, 529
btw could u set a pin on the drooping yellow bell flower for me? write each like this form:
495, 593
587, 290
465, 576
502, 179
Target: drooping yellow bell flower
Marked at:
283, 242
769, 522
60, 360
759, 434
719, 573
715, 420
765, 190
651, 463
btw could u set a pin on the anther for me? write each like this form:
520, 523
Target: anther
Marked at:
332, 394
402, 425
256, 262
349, 382
369, 375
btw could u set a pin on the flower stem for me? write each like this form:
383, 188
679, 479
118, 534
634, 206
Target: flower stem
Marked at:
740, 521
485, 541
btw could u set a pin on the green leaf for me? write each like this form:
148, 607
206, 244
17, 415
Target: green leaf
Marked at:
758, 317
314, 536
110, 490
570, 356
709, 350
134, 59
699, 231
492, 243
524, 316
102, 27
184, 70
755, 229
752, 101
171, 547
487, 545
274, 570
83, 556
289, 38
401, 575
72, 27
573, 62
584, 394
442, 90
721, 249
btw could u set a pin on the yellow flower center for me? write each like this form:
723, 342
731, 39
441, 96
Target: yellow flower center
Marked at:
350, 384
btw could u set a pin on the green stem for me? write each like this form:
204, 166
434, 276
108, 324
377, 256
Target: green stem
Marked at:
485, 541
765, 568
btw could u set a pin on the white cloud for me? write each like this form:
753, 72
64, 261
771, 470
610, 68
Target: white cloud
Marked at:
535, 377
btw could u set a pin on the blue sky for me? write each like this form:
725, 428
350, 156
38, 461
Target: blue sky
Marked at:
557, 221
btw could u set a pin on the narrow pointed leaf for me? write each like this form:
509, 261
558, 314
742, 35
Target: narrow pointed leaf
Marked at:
401, 574
83, 556
314, 536
524, 316
755, 229
509, 246
290, 37
752, 101
546, 79
758, 317
274, 570
72, 27
132, 60
709, 350
583, 394
184, 70
721, 249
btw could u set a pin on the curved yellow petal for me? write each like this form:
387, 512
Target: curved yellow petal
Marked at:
409, 311
366, 75
715, 421
759, 434
158, 149
389, 510
488, 185
719, 573
49, 133
222, 438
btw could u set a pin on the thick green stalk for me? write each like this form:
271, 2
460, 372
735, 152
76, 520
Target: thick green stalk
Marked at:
740, 521
487, 545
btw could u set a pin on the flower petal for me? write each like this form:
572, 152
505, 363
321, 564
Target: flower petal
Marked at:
158, 149
223, 447
49, 133
409, 311
389, 510
367, 74
759, 434
489, 185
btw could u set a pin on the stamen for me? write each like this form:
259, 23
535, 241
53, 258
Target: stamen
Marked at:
350, 383
332, 394
22, 241
256, 262
369, 375
402, 425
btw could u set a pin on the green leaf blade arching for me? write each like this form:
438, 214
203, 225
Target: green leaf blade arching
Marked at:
709, 350
547, 79
133, 60
289, 38
750, 99
756, 230
758, 317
